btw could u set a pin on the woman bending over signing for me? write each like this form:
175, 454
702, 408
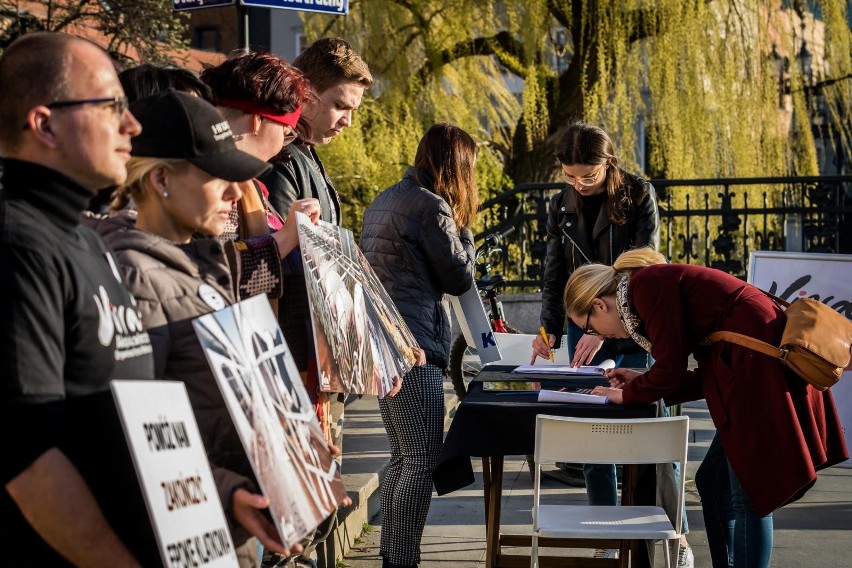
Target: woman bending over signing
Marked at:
773, 430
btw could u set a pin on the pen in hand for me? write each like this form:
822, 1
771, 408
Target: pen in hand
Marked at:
547, 342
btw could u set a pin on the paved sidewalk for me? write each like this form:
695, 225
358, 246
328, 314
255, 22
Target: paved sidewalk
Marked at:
816, 532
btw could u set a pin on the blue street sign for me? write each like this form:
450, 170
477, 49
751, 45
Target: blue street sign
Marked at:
179, 5
338, 7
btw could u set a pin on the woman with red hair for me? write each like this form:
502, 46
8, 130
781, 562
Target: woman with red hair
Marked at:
261, 96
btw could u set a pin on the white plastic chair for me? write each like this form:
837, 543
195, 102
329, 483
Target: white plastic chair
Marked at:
591, 440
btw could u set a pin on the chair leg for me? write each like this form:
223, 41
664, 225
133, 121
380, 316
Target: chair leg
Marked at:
667, 554
534, 552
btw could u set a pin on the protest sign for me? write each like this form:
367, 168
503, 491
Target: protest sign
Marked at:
475, 325
176, 480
273, 415
361, 340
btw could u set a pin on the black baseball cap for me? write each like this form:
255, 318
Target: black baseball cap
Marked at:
180, 126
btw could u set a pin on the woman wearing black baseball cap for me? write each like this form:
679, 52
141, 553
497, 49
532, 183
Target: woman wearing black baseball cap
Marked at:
185, 177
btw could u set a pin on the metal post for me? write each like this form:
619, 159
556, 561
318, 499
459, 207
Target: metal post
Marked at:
242, 27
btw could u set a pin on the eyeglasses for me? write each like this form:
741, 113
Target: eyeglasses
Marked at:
587, 329
119, 104
587, 179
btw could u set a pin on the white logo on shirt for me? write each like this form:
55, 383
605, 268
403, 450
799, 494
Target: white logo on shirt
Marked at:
121, 320
112, 266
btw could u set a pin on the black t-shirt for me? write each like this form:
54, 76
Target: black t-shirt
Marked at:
591, 209
69, 327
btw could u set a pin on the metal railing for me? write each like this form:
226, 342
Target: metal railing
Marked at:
711, 222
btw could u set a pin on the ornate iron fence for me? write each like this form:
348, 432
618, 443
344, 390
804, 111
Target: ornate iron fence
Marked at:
712, 222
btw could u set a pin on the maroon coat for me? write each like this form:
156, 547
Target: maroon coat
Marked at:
776, 429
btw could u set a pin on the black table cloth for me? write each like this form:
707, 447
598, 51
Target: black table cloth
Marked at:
489, 424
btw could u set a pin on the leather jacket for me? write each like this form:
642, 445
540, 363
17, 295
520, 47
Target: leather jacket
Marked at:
568, 246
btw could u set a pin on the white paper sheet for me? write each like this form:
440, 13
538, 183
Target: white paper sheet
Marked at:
566, 396
565, 369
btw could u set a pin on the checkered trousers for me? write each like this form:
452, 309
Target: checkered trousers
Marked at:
414, 420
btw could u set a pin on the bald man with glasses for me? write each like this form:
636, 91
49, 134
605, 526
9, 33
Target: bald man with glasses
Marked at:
69, 492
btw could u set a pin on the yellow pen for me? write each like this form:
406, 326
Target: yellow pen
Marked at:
546, 342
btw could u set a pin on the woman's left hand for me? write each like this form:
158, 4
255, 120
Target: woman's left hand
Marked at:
614, 395
419, 355
287, 237
397, 386
247, 510
586, 349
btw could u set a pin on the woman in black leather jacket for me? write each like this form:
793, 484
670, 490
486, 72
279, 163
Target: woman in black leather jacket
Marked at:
416, 238
602, 212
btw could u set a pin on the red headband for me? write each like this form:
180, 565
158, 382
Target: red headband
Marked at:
290, 119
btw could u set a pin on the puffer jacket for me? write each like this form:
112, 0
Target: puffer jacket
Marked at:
568, 246
411, 241
173, 284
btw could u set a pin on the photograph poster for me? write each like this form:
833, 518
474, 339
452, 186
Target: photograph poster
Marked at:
361, 340
273, 415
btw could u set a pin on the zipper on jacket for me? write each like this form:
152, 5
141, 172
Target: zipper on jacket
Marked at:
574, 244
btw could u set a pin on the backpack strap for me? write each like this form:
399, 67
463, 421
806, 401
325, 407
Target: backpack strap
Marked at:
746, 341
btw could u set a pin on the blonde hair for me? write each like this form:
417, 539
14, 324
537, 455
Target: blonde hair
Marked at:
136, 186
592, 281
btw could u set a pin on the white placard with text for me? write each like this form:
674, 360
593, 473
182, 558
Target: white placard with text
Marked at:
475, 325
174, 473
824, 277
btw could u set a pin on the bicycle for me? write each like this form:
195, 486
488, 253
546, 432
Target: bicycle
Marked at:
464, 362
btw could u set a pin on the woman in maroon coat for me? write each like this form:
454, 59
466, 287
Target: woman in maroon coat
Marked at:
773, 430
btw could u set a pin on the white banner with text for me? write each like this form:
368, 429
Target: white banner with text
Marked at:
174, 473
823, 277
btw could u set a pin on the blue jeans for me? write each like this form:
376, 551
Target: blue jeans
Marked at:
601, 484
737, 536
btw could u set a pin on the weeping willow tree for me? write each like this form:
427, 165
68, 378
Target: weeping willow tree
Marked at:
697, 73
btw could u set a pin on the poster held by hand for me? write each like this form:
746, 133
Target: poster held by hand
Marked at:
273, 415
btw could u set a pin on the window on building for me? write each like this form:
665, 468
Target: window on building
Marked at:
207, 38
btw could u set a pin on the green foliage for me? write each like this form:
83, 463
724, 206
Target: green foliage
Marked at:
696, 73
142, 30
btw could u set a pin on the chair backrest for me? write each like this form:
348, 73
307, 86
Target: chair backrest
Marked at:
598, 440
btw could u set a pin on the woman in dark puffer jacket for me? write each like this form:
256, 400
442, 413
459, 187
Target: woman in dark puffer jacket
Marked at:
416, 238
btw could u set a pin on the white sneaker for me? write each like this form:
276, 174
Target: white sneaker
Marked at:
605, 553
685, 558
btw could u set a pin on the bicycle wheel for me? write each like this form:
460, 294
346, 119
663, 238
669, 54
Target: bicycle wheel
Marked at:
465, 364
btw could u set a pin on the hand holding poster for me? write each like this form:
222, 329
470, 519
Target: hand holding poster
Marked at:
361, 340
273, 415
172, 467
